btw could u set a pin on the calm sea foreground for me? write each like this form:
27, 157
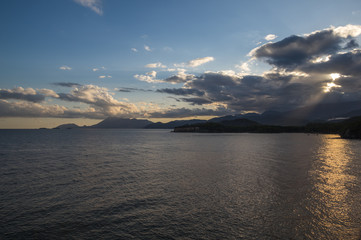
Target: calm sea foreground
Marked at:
155, 184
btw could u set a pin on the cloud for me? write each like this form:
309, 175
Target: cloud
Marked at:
91, 94
104, 76
244, 67
64, 67
197, 101
27, 94
99, 101
155, 65
30, 109
199, 61
149, 77
302, 68
270, 37
95, 5
247, 93
185, 112
347, 31
134, 50
67, 84
127, 89
180, 77
95, 69
344, 63
147, 48
181, 91
295, 50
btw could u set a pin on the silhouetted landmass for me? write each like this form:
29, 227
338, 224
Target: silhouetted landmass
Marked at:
350, 128
318, 118
173, 124
240, 125
301, 116
67, 126
115, 122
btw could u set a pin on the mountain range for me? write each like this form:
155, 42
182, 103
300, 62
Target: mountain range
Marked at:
297, 117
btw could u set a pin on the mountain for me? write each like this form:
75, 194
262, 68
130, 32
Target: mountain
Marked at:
296, 117
240, 125
301, 116
115, 122
240, 122
173, 124
67, 126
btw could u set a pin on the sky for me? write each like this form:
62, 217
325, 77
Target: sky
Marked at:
81, 61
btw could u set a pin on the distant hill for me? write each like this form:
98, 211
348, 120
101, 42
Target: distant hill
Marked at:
301, 116
240, 122
240, 125
115, 122
296, 117
67, 126
173, 124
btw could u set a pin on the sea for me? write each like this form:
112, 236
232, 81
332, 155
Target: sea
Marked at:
157, 184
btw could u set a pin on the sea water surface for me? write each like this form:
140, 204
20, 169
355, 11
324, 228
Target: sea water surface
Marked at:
155, 184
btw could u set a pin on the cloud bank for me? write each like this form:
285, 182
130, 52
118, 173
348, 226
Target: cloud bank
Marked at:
318, 67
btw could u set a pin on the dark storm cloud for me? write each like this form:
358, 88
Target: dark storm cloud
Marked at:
196, 101
351, 44
181, 91
242, 93
185, 112
345, 64
349, 84
296, 50
127, 89
67, 84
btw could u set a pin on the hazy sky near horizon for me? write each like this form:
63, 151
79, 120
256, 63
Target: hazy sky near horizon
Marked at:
84, 60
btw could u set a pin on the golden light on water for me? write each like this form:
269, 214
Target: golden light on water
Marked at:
332, 183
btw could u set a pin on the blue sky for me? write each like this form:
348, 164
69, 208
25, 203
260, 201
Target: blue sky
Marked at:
84, 60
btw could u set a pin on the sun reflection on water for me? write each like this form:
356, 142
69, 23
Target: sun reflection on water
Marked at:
332, 181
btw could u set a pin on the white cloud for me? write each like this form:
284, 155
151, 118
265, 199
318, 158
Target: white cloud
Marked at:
342, 31
270, 37
180, 77
348, 31
149, 77
27, 94
29, 102
152, 73
104, 76
64, 67
155, 65
244, 67
199, 61
95, 5
147, 48
95, 69
134, 50
48, 93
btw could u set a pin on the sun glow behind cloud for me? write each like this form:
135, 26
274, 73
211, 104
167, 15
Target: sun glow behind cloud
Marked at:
331, 85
